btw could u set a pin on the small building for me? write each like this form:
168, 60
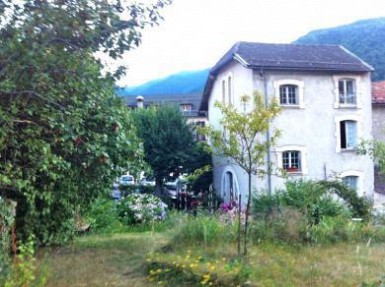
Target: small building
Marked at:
188, 104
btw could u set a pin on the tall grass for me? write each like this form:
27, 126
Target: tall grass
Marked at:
203, 230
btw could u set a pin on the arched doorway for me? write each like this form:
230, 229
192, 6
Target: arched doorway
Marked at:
229, 190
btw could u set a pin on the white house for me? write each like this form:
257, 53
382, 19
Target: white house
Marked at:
325, 94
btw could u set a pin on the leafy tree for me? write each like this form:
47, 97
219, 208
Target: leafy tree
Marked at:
167, 140
64, 135
244, 140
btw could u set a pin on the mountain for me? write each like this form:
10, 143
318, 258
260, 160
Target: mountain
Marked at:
364, 38
180, 83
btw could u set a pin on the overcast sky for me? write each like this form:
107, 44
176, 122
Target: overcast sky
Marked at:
196, 33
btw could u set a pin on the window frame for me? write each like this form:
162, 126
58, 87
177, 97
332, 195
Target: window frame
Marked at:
293, 158
344, 94
302, 150
357, 89
360, 179
299, 92
339, 140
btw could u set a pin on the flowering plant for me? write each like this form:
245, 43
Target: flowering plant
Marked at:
141, 208
229, 213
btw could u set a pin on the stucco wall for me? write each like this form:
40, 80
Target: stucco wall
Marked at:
312, 127
379, 122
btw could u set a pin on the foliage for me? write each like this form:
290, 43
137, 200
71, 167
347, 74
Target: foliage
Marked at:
196, 270
167, 140
243, 139
64, 135
375, 149
140, 208
315, 211
7, 218
23, 270
203, 230
363, 38
103, 217
286, 225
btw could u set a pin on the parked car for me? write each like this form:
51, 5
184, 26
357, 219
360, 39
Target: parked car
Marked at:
148, 181
175, 186
126, 180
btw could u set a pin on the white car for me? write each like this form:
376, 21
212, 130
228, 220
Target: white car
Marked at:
148, 181
126, 180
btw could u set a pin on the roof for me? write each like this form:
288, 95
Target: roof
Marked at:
193, 99
331, 58
378, 92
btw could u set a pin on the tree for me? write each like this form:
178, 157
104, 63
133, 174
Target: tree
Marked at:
64, 135
167, 140
244, 141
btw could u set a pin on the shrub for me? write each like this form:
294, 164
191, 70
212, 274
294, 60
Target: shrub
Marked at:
282, 225
140, 208
7, 218
103, 216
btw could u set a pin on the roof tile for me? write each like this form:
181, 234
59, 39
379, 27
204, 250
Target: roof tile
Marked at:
378, 92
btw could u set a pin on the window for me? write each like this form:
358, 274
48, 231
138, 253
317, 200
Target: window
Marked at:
229, 91
292, 158
351, 181
348, 134
347, 91
223, 91
288, 95
291, 161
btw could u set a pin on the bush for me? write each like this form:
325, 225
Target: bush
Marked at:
103, 217
284, 225
140, 208
309, 211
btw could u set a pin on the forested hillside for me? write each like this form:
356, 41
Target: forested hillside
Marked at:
364, 38
180, 83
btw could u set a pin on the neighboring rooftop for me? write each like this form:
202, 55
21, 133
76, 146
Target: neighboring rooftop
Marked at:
193, 99
333, 58
378, 92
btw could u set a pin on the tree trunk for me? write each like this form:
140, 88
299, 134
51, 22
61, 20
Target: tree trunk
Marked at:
247, 215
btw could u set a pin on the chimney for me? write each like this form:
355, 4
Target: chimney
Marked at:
139, 102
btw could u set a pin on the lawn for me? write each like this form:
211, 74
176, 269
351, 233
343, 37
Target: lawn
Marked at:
123, 260
113, 260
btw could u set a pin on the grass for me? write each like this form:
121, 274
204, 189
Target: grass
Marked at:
132, 259
113, 260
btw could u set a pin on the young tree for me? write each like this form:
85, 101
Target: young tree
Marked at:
244, 141
64, 135
167, 140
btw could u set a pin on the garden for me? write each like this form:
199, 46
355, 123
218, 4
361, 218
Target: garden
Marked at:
303, 236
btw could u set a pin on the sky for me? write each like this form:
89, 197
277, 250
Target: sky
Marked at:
196, 33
